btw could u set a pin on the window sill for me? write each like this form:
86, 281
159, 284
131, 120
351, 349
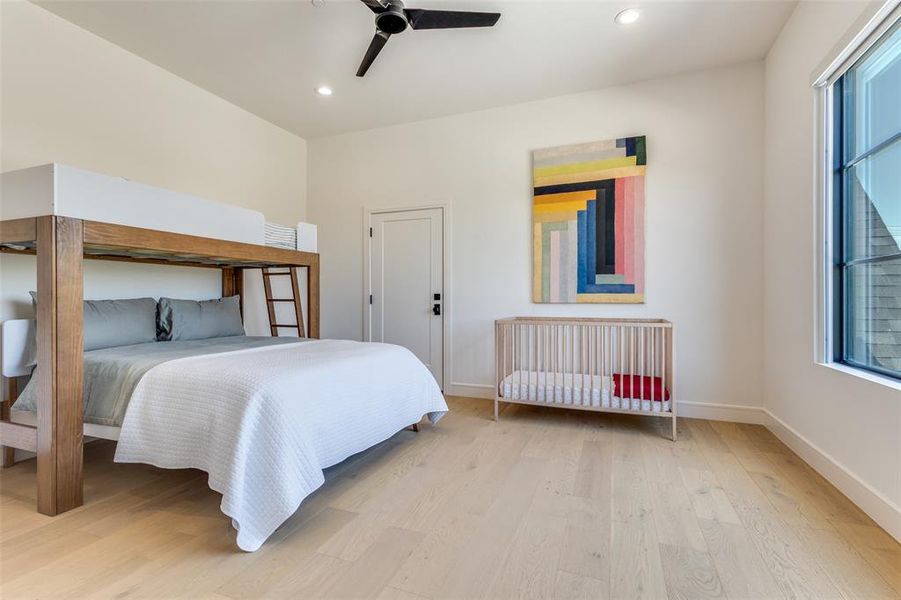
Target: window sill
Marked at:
892, 384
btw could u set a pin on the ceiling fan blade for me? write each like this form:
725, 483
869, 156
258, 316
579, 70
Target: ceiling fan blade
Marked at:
374, 5
375, 46
421, 18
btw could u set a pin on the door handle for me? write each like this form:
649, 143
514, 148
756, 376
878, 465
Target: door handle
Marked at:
436, 309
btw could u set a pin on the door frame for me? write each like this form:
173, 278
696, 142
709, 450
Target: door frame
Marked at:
446, 302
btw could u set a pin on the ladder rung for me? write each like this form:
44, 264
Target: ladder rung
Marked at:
276, 274
278, 325
279, 299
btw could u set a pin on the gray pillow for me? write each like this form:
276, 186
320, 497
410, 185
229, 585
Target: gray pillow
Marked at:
199, 320
109, 323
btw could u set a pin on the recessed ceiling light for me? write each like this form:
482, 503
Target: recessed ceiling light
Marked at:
324, 90
628, 16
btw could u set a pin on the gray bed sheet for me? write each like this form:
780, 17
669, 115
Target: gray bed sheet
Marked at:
111, 374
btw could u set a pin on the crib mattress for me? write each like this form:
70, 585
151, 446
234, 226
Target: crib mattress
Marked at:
579, 389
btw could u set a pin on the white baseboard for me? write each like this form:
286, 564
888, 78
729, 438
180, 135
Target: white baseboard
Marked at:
878, 507
470, 390
695, 410
736, 413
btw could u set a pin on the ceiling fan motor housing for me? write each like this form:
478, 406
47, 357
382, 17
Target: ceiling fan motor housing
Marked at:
393, 19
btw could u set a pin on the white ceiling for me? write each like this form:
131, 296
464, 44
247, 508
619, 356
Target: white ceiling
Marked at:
268, 56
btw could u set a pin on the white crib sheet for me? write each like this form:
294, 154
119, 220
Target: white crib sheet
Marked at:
580, 389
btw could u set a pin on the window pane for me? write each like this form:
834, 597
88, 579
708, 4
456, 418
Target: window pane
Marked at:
873, 205
873, 315
876, 90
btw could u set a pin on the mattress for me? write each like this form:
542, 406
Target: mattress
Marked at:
580, 389
55, 189
111, 374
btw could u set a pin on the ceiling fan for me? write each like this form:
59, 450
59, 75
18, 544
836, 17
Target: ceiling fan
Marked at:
391, 17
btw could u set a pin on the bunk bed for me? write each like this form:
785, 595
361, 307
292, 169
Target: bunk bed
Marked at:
343, 411
61, 244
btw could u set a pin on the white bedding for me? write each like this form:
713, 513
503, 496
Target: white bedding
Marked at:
265, 422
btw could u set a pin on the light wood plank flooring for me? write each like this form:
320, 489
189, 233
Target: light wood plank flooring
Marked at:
543, 504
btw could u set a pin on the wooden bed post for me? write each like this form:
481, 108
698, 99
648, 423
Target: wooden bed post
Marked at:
670, 357
233, 284
12, 391
60, 346
313, 297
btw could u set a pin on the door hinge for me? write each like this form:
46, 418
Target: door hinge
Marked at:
370, 232
370, 298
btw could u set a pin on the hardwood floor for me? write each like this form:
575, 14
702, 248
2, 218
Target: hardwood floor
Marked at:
543, 504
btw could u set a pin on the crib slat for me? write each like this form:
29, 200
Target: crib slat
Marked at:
602, 359
643, 367
541, 360
605, 342
639, 361
567, 359
565, 350
574, 347
631, 365
519, 365
657, 332
577, 358
663, 376
517, 378
598, 353
592, 334
498, 373
533, 360
555, 366
585, 350
547, 356
504, 355
582, 364
604, 370
621, 357
653, 365
551, 364
528, 362
523, 350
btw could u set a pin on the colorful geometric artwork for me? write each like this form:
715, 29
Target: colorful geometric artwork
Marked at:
588, 222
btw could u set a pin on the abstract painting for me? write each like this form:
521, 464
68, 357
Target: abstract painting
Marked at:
588, 222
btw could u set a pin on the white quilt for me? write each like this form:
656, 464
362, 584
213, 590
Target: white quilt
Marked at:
265, 422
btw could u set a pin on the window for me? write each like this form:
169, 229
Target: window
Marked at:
866, 188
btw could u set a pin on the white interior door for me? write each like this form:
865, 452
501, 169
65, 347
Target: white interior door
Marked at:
407, 283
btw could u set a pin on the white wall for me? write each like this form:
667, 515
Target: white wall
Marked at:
847, 427
704, 218
69, 96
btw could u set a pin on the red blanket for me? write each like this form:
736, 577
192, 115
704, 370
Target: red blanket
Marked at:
639, 387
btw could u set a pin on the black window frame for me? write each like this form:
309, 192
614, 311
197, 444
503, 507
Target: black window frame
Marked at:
842, 105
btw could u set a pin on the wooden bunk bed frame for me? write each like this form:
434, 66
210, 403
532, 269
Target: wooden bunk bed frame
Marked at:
61, 244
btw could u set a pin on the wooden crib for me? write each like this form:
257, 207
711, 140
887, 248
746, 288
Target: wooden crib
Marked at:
603, 365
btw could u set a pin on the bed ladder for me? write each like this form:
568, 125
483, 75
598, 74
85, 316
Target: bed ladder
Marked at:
271, 301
